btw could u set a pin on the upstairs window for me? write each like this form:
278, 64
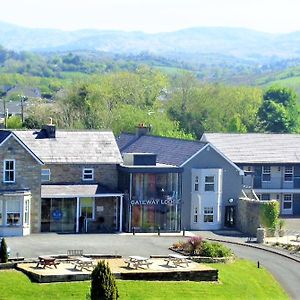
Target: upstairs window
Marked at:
45, 175
196, 184
288, 174
87, 174
209, 185
266, 173
9, 171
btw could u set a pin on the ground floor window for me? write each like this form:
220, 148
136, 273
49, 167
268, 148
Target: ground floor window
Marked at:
26, 211
13, 212
151, 217
195, 214
287, 201
208, 214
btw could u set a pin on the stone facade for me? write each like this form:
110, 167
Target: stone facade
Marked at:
27, 176
105, 174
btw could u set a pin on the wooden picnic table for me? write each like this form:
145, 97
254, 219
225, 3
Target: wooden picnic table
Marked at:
177, 259
46, 261
83, 263
138, 261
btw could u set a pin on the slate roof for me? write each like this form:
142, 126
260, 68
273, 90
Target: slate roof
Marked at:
73, 146
257, 147
3, 135
170, 151
74, 190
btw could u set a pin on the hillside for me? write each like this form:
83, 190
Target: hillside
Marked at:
192, 44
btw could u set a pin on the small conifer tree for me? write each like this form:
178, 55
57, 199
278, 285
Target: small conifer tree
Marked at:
3, 252
103, 285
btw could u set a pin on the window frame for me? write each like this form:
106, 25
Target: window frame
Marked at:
267, 195
84, 174
195, 214
208, 212
209, 184
7, 212
266, 173
9, 170
288, 173
26, 211
44, 175
196, 184
284, 200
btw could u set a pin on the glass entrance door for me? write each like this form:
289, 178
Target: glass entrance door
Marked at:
86, 213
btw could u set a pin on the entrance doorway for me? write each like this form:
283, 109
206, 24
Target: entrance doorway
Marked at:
86, 213
229, 216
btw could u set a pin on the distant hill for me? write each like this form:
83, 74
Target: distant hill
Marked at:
192, 44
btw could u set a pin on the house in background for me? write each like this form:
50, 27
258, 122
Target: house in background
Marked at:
271, 163
59, 181
175, 184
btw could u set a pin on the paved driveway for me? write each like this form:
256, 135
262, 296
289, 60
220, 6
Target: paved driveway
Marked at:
35, 245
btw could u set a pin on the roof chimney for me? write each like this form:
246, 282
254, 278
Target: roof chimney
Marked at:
48, 131
143, 129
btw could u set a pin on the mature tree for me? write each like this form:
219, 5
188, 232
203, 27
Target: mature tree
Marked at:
279, 111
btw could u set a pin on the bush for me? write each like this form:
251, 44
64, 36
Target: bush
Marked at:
3, 252
215, 250
195, 244
103, 284
269, 215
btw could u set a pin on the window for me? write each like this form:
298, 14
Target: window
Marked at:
208, 214
266, 173
288, 173
195, 214
9, 171
88, 174
287, 201
45, 175
13, 212
26, 212
265, 197
1, 211
209, 183
196, 184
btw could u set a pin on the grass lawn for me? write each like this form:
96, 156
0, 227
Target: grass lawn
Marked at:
239, 280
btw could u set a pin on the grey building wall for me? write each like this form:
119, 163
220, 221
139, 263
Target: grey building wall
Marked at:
232, 181
105, 174
27, 176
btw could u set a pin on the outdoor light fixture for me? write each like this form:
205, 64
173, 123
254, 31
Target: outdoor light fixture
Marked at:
230, 200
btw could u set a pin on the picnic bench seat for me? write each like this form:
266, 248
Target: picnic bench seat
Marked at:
45, 261
83, 263
73, 254
177, 260
137, 261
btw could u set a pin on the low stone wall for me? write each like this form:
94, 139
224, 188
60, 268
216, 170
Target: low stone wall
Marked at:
191, 275
212, 260
248, 215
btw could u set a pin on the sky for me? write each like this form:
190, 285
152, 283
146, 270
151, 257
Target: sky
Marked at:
276, 16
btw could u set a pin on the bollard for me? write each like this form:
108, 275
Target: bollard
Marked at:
158, 231
258, 265
183, 231
133, 231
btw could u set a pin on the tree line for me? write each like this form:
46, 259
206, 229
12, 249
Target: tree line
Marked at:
175, 106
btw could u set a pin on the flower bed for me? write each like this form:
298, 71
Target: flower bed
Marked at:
203, 251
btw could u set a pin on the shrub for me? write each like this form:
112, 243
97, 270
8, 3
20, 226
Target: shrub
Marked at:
179, 245
3, 252
103, 284
269, 214
195, 244
215, 250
